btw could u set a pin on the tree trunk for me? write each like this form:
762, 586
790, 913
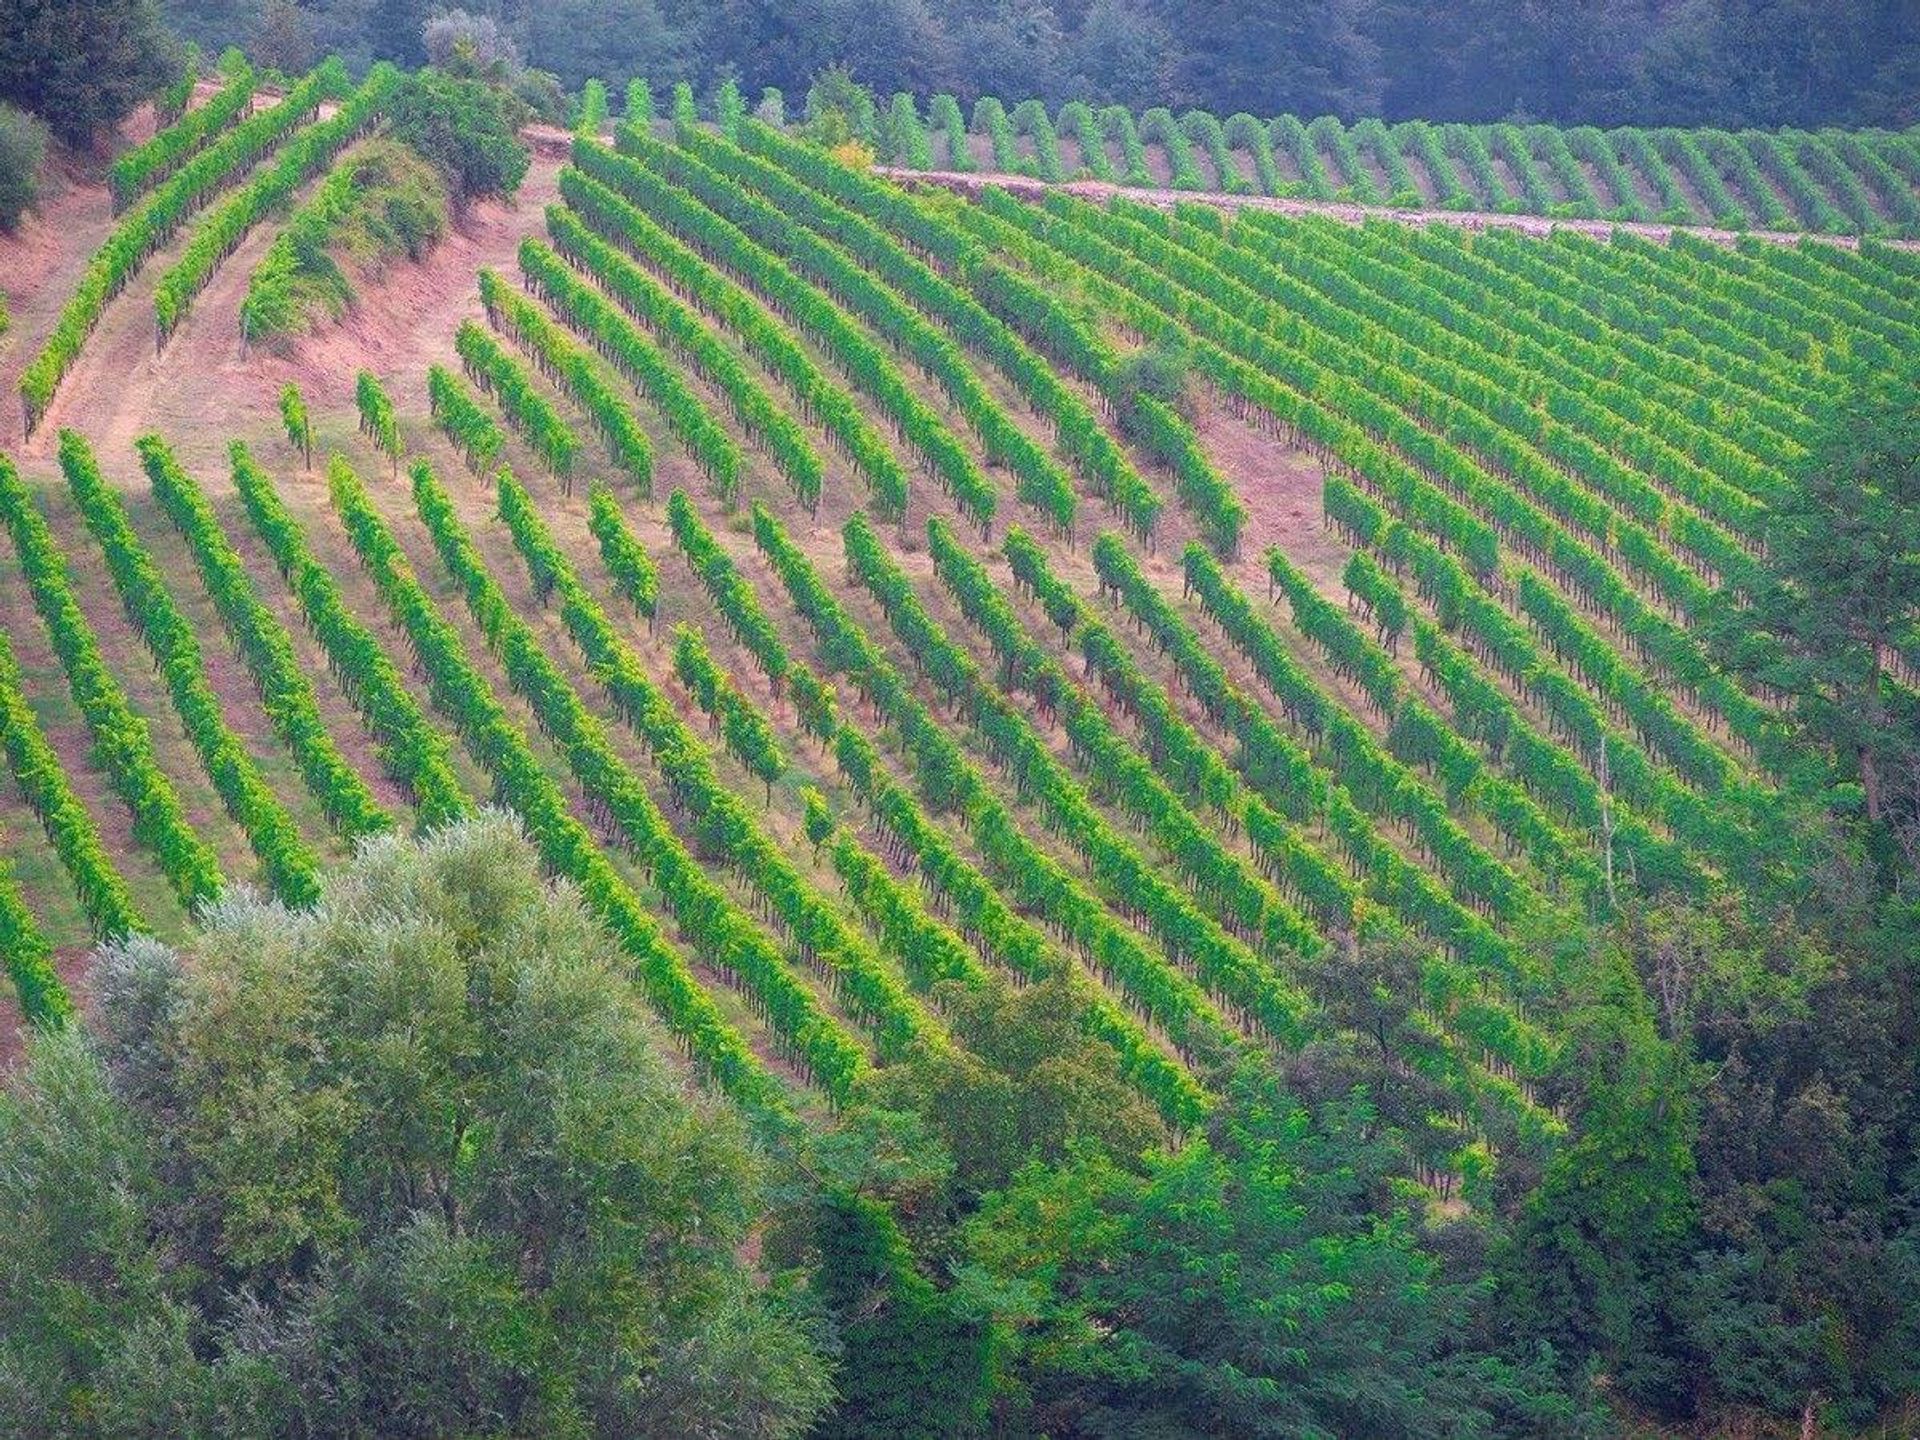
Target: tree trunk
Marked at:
1869, 772
1870, 782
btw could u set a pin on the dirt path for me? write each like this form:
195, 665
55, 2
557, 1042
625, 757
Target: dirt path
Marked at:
205, 387
121, 387
41, 263
40, 267
1024, 188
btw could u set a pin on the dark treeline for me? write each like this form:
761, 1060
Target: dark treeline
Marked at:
1731, 63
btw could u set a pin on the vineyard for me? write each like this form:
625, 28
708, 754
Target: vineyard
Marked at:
874, 599
1829, 182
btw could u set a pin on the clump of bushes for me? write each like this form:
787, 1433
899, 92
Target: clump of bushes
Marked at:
467, 127
383, 202
413, 1161
23, 144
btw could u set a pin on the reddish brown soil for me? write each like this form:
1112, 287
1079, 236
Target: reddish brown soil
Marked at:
203, 390
1286, 165
406, 319
1508, 180
208, 386
1279, 485
40, 265
1684, 182
1376, 172
42, 262
1597, 183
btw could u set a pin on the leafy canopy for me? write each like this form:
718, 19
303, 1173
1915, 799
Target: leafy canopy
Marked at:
410, 1163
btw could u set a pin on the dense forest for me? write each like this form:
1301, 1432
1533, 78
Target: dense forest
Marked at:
1731, 63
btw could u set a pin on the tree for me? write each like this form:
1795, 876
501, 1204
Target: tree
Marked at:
1799, 1291
1308, 59
839, 109
1380, 1042
1248, 1284
1119, 53
414, 1162
284, 38
23, 143
1588, 1270
455, 37
1841, 594
1030, 1084
580, 39
83, 65
918, 1362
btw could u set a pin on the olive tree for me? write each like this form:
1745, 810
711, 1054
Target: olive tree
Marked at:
413, 1162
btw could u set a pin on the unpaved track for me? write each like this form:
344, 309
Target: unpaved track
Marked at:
1023, 187
121, 387
204, 388
40, 267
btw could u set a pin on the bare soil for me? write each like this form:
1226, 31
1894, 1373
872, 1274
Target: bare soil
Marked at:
1244, 167
40, 266
201, 391
1597, 183
1286, 165
1377, 172
208, 386
1508, 180
406, 320
1422, 178
1684, 182
1280, 487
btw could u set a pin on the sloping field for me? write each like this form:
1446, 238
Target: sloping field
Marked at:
833, 581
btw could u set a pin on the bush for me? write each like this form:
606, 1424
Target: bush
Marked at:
540, 92
23, 141
413, 1162
472, 45
383, 201
467, 128
839, 109
1160, 370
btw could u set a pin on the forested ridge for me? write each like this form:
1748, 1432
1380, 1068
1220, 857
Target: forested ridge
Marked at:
1731, 63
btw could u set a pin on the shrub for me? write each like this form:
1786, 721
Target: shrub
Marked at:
382, 202
423, 1145
540, 92
23, 141
465, 127
839, 108
457, 40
